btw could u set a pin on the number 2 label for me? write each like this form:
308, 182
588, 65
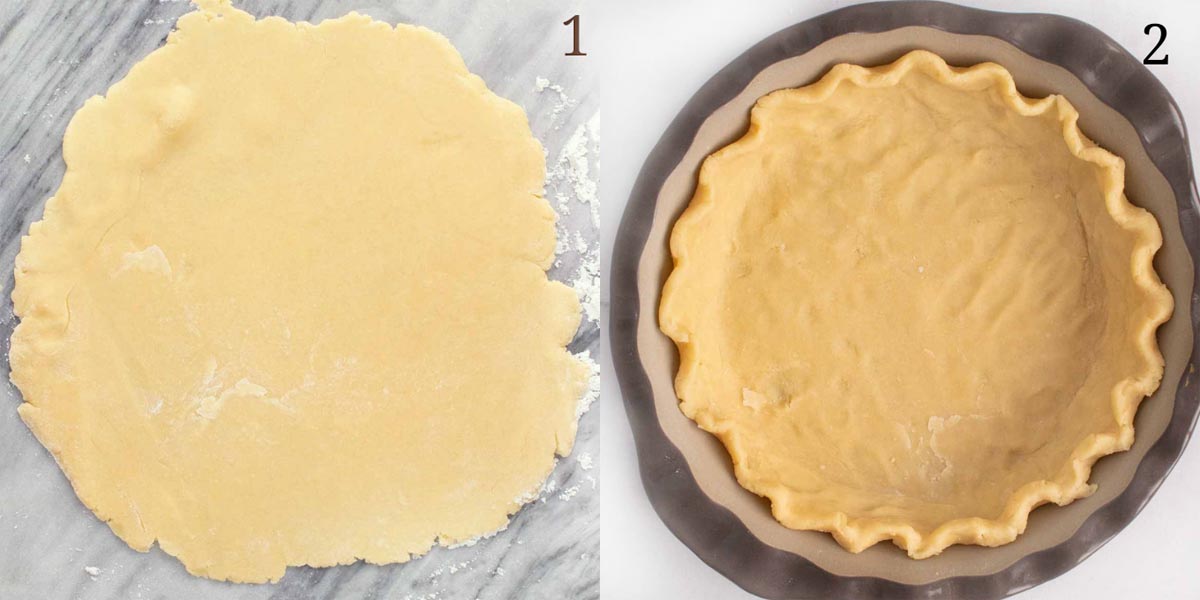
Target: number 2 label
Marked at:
1162, 37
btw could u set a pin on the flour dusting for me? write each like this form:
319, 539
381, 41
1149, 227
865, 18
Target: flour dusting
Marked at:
568, 493
576, 158
540, 85
430, 596
587, 285
593, 390
573, 183
451, 568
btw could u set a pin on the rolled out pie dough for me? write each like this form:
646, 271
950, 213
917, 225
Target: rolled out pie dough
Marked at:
289, 305
914, 305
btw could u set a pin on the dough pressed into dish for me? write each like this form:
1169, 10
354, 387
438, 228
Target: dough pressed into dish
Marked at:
914, 305
289, 305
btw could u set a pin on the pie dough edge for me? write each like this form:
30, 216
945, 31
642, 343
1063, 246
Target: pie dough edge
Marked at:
859, 533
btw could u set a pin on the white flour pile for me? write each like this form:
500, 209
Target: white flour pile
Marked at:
572, 182
593, 392
540, 85
574, 164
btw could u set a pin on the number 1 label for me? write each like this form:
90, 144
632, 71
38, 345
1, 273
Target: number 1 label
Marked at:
574, 23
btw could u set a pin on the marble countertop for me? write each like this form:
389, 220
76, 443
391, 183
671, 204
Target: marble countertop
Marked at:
53, 56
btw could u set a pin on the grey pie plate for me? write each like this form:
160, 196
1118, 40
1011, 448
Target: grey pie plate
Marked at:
686, 472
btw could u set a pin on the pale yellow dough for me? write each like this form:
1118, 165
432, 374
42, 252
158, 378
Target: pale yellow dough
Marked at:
289, 305
914, 305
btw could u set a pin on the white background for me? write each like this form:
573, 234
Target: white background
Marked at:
652, 55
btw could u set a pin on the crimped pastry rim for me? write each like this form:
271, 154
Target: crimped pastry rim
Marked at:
859, 533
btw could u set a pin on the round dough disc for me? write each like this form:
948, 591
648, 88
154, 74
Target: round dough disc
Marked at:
289, 305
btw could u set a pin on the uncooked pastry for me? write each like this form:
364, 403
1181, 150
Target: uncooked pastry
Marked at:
914, 305
289, 305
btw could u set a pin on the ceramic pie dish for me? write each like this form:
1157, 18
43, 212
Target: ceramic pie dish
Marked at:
687, 473
914, 305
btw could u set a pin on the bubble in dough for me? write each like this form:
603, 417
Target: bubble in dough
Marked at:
289, 305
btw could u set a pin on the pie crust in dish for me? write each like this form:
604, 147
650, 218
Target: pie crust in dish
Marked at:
289, 305
914, 305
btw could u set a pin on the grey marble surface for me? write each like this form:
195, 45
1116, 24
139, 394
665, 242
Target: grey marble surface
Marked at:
56, 53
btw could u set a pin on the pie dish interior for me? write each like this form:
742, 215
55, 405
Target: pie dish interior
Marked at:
937, 314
